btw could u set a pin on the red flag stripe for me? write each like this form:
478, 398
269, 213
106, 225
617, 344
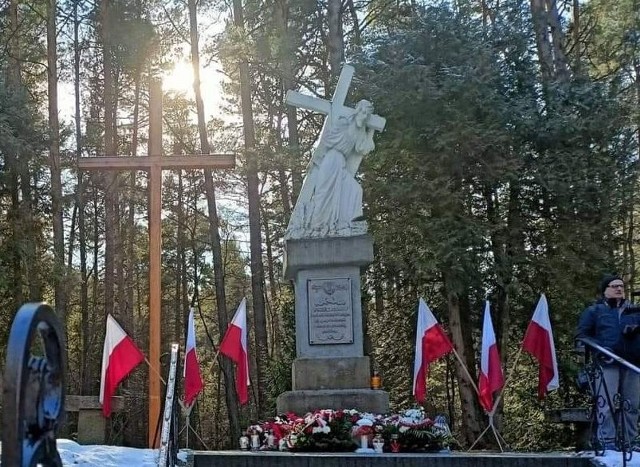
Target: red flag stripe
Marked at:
435, 344
491, 382
491, 378
234, 346
431, 344
538, 341
119, 357
193, 383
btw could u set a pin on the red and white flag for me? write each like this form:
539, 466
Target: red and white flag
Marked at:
431, 344
491, 378
192, 378
119, 357
234, 346
538, 341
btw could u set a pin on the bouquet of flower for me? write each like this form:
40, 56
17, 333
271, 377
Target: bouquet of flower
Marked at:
415, 432
345, 430
323, 430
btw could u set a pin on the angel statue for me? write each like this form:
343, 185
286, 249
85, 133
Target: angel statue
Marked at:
330, 201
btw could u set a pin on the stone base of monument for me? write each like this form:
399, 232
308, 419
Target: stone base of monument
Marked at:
363, 400
330, 371
348, 459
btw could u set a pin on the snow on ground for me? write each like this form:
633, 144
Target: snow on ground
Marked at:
74, 454
614, 459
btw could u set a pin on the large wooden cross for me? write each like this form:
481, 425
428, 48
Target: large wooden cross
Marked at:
154, 163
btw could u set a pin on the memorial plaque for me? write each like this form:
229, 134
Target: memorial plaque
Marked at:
330, 311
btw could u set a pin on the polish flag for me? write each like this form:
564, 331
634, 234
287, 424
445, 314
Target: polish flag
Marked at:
538, 341
234, 346
119, 357
192, 379
491, 378
431, 344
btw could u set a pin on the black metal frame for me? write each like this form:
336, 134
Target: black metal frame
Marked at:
617, 403
34, 388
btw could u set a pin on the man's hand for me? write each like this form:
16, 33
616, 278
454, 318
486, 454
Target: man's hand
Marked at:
630, 330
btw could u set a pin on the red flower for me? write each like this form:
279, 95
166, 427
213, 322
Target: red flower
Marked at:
364, 430
279, 431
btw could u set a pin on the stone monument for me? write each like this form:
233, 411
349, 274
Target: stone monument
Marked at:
326, 245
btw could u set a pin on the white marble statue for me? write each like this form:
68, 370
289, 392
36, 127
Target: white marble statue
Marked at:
330, 201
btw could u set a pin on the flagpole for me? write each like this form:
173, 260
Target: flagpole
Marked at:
215, 359
491, 414
511, 372
466, 372
155, 371
187, 410
498, 437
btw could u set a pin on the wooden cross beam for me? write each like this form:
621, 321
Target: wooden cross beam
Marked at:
154, 163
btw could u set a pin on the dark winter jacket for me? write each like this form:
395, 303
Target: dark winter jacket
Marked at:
605, 324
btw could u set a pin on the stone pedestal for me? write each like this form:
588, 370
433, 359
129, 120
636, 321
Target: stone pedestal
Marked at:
92, 426
330, 370
363, 400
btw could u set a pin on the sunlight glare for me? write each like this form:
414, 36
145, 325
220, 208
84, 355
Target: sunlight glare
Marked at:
179, 79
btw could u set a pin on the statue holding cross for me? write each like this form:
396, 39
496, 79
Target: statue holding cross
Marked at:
326, 246
330, 201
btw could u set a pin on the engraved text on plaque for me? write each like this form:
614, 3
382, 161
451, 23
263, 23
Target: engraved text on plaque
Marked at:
330, 311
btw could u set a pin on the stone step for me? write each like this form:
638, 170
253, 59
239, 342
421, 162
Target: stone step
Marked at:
453, 459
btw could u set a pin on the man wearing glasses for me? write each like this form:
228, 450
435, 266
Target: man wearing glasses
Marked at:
613, 324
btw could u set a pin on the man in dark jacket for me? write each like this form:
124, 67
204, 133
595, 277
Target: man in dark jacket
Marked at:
613, 325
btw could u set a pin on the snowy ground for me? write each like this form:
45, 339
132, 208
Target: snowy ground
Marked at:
74, 455
614, 459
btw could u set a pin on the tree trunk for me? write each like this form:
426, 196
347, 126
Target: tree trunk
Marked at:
29, 228
14, 85
255, 237
630, 259
273, 282
82, 239
59, 274
335, 40
560, 62
109, 177
287, 57
22, 205
357, 33
461, 336
541, 31
503, 268
549, 40
577, 44
130, 263
214, 231
179, 310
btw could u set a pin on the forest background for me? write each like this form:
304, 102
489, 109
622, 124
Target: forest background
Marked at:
508, 167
